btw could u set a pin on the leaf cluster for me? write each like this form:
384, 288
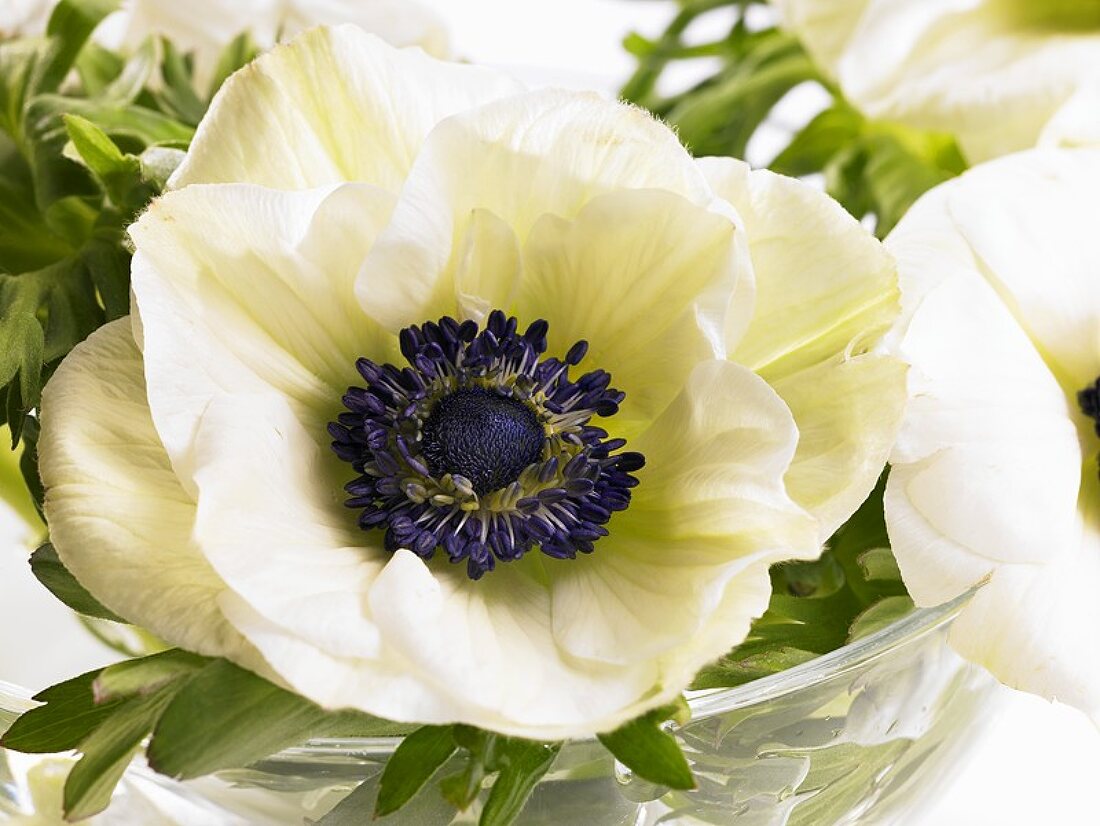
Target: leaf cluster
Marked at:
200, 715
874, 168
87, 138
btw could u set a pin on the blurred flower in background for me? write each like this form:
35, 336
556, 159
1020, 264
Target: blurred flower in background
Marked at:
204, 28
994, 73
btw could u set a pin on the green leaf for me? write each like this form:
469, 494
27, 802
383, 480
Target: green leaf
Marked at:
117, 172
523, 763
647, 749
823, 137
462, 788
52, 573
883, 613
419, 756
146, 675
226, 717
69, 715
177, 94
71, 24
107, 752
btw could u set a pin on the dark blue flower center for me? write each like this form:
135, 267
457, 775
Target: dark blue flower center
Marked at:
482, 435
483, 447
1089, 399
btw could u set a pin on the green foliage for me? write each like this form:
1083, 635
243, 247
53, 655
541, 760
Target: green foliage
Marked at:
417, 758
875, 169
645, 747
84, 137
48, 569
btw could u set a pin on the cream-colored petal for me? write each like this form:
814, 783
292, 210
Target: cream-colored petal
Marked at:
1033, 626
272, 523
398, 22
542, 152
989, 71
824, 284
988, 453
1077, 123
826, 293
489, 267
242, 289
333, 105
118, 517
713, 482
1031, 221
848, 411
652, 303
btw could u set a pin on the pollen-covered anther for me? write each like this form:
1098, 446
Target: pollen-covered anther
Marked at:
483, 448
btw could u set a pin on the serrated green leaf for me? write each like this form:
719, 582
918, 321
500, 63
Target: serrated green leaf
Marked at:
651, 752
107, 752
523, 763
116, 171
226, 717
52, 573
412, 765
69, 715
145, 675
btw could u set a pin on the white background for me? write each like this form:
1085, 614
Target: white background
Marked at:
1038, 765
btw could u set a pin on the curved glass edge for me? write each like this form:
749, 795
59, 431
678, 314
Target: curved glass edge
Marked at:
711, 702
15, 700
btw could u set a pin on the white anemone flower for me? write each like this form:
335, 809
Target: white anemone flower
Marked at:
992, 72
347, 210
994, 481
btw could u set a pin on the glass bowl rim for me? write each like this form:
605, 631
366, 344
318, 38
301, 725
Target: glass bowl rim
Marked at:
707, 703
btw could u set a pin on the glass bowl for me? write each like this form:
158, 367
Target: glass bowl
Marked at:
855, 736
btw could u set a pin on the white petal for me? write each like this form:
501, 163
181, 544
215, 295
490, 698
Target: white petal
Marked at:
715, 462
242, 289
271, 521
566, 148
118, 517
988, 454
647, 278
1030, 221
826, 292
398, 22
848, 411
1034, 626
975, 68
333, 105
1077, 123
